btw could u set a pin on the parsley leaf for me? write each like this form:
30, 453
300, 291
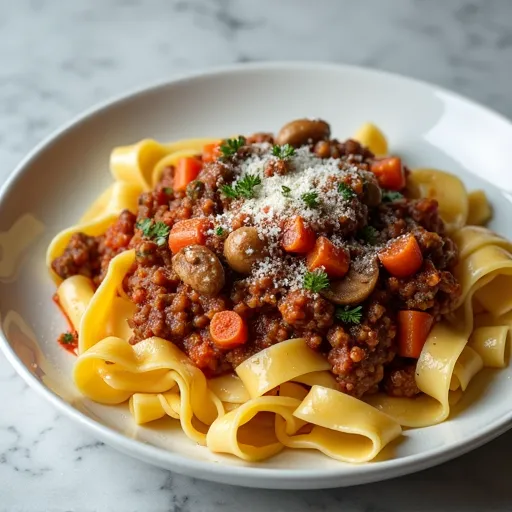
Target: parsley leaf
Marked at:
242, 188
219, 231
67, 338
346, 192
349, 315
229, 191
316, 281
310, 199
285, 191
390, 196
283, 152
168, 190
369, 234
158, 231
230, 146
145, 226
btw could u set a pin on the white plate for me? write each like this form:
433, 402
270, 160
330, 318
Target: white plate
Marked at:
428, 126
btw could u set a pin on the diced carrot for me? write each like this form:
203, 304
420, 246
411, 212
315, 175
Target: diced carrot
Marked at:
187, 169
390, 173
297, 237
188, 232
334, 260
228, 329
211, 152
413, 330
402, 257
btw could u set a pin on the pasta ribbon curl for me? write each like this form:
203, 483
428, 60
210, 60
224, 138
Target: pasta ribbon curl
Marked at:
338, 425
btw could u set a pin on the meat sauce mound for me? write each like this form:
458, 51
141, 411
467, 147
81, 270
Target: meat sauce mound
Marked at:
327, 184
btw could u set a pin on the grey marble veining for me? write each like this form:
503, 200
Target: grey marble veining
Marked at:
59, 57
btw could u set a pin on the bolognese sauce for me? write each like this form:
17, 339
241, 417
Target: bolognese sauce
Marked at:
262, 239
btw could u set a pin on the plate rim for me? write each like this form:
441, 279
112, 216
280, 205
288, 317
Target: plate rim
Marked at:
262, 477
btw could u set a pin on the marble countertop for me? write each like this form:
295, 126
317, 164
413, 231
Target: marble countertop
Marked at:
58, 58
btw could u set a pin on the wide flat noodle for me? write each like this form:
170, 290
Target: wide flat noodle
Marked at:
344, 427
446, 363
74, 294
100, 316
277, 364
224, 436
447, 189
490, 343
112, 370
480, 211
138, 163
341, 426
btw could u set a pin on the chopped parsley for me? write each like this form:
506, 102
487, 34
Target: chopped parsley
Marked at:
310, 199
369, 234
345, 191
230, 146
349, 315
145, 226
219, 231
242, 188
316, 281
67, 338
168, 190
283, 152
157, 231
390, 196
285, 191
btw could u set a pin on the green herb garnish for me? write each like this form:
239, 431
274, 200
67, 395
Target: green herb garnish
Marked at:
369, 234
311, 199
145, 226
219, 231
316, 281
285, 191
230, 146
349, 315
168, 190
390, 196
158, 231
346, 192
283, 152
242, 188
67, 338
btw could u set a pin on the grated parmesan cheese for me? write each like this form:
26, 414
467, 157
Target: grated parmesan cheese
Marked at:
279, 198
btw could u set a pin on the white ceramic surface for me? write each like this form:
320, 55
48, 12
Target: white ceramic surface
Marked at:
426, 125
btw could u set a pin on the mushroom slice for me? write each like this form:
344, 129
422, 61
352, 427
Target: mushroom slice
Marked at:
357, 285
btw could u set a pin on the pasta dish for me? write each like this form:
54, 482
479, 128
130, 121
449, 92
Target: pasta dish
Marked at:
282, 291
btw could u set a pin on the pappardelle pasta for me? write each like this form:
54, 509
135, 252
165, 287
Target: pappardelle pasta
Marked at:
282, 292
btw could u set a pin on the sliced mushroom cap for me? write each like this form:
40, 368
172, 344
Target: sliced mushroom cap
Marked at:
200, 268
356, 286
303, 131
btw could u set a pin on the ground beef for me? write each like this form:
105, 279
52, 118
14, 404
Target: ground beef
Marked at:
335, 149
359, 353
81, 256
399, 379
429, 289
